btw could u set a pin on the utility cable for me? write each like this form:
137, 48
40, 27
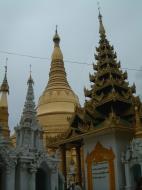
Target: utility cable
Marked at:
46, 58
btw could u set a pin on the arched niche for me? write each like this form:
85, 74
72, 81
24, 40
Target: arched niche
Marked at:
43, 177
61, 181
2, 173
98, 156
136, 174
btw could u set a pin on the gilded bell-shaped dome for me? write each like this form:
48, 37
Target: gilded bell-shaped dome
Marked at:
58, 100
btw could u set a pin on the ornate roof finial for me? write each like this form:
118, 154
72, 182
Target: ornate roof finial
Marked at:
56, 37
56, 31
6, 61
99, 7
30, 69
30, 80
5, 77
101, 29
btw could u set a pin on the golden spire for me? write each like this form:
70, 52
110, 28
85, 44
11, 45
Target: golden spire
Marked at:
58, 99
4, 89
57, 75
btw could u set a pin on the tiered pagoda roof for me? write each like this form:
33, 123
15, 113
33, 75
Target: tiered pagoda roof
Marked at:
110, 91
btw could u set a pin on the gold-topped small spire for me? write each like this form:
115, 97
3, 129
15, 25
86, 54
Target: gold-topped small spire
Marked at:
4, 90
56, 29
57, 53
5, 87
56, 38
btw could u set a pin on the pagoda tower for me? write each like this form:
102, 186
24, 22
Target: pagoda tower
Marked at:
29, 133
4, 91
109, 120
110, 92
58, 100
33, 167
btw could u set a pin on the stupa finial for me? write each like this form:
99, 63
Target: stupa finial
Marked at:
56, 38
5, 87
101, 28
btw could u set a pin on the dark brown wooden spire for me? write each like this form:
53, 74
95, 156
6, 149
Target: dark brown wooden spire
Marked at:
110, 91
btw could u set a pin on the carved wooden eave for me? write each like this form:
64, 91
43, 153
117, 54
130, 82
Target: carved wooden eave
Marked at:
87, 93
114, 82
98, 98
93, 114
129, 112
110, 129
114, 96
97, 49
111, 124
133, 88
107, 61
52, 142
108, 70
77, 117
115, 121
96, 57
125, 75
64, 138
95, 67
119, 64
115, 55
105, 52
92, 78
98, 83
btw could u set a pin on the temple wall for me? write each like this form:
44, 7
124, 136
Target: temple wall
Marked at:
118, 144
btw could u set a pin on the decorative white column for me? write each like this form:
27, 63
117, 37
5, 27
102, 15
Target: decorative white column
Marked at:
10, 178
127, 176
32, 182
32, 139
24, 177
54, 183
141, 167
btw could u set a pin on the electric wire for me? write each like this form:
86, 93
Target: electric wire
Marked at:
46, 58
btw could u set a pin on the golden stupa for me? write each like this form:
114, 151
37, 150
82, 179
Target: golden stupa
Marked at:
58, 100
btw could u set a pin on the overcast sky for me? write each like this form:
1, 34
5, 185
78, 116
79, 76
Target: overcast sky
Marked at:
27, 27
